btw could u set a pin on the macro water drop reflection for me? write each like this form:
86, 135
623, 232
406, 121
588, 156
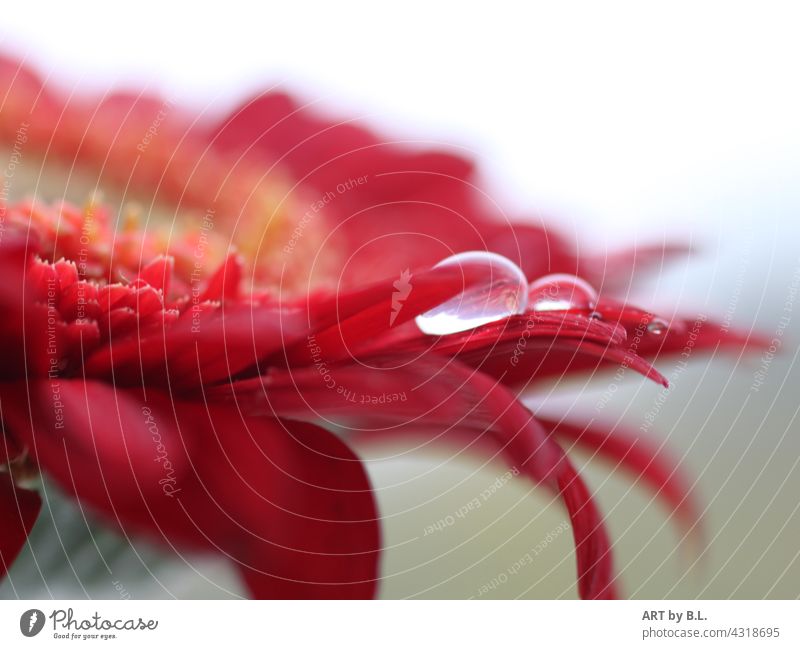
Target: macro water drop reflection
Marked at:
561, 292
503, 293
658, 327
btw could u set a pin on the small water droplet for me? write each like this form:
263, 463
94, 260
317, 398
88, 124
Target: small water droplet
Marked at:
657, 327
561, 292
504, 293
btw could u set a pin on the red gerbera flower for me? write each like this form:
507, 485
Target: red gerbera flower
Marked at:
174, 368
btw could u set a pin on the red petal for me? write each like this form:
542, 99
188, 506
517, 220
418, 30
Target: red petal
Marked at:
683, 334
617, 271
322, 538
439, 393
592, 547
158, 273
23, 325
342, 324
519, 362
431, 391
25, 101
643, 460
499, 338
207, 344
325, 152
288, 502
96, 441
224, 283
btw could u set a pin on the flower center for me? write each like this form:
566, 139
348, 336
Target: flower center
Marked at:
266, 219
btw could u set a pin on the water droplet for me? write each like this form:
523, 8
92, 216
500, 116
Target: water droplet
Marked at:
657, 326
504, 293
561, 292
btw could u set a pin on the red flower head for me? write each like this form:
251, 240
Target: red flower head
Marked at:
174, 365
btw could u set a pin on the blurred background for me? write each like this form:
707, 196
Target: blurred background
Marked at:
621, 124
